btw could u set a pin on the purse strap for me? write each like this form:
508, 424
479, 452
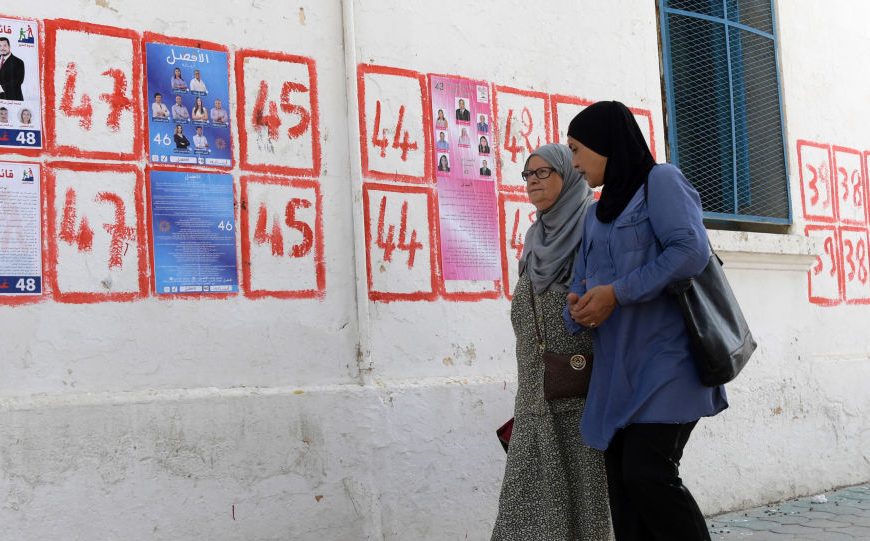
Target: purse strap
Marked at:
658, 242
542, 342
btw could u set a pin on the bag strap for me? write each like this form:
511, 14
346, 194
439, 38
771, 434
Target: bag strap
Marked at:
542, 342
646, 200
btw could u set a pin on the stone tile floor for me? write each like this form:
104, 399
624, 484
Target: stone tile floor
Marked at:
842, 514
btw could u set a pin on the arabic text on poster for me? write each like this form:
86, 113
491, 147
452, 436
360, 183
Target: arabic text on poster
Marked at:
194, 232
20, 229
469, 234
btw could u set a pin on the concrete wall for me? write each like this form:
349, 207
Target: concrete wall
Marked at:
363, 404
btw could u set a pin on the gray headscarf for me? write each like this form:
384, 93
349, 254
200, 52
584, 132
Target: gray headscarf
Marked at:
551, 242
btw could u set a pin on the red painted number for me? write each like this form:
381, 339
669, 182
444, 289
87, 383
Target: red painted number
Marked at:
855, 257
829, 250
260, 119
819, 175
299, 250
517, 238
379, 135
862, 261
84, 110
388, 243
845, 182
276, 238
848, 257
510, 141
120, 232
287, 106
118, 101
271, 121
517, 241
84, 237
381, 142
857, 195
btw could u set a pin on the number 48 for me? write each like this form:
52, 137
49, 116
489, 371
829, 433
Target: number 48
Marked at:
25, 284
26, 138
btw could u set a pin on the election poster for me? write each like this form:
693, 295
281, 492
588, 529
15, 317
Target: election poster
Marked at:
464, 164
20, 229
194, 231
188, 106
20, 91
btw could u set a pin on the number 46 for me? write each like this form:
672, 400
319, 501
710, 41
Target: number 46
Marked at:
164, 140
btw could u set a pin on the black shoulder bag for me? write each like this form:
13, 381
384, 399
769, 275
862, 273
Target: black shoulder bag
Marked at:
718, 334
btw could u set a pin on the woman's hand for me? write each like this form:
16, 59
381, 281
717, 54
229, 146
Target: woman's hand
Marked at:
593, 308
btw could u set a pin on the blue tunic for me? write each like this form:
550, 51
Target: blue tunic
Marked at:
644, 371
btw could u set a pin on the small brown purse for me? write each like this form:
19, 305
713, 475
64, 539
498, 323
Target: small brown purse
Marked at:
565, 376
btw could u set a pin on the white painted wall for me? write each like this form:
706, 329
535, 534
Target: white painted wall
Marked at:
345, 418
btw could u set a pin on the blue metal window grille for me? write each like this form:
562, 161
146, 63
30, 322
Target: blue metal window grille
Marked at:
724, 110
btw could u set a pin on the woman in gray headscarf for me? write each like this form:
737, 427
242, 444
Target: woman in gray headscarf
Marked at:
554, 485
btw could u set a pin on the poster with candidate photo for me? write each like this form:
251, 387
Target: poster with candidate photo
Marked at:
188, 106
20, 91
464, 164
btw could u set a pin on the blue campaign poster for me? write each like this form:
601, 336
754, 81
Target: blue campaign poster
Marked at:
194, 232
188, 105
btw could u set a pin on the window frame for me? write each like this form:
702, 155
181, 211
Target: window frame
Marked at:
670, 109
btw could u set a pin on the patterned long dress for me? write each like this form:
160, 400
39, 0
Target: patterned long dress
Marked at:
554, 486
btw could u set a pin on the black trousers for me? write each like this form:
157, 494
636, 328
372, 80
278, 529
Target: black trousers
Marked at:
648, 501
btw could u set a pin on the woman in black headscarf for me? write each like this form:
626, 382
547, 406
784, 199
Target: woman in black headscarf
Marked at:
645, 395
554, 485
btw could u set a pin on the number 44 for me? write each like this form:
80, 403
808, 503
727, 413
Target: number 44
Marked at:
163, 139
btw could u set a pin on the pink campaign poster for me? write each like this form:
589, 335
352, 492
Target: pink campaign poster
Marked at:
464, 163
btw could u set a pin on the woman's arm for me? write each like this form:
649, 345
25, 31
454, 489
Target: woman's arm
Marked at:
578, 277
675, 216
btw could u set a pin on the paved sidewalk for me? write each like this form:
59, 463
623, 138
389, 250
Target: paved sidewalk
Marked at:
837, 515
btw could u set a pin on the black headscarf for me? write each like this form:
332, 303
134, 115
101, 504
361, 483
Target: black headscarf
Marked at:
609, 128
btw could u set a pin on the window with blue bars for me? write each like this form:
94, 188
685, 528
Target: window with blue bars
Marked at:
725, 127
